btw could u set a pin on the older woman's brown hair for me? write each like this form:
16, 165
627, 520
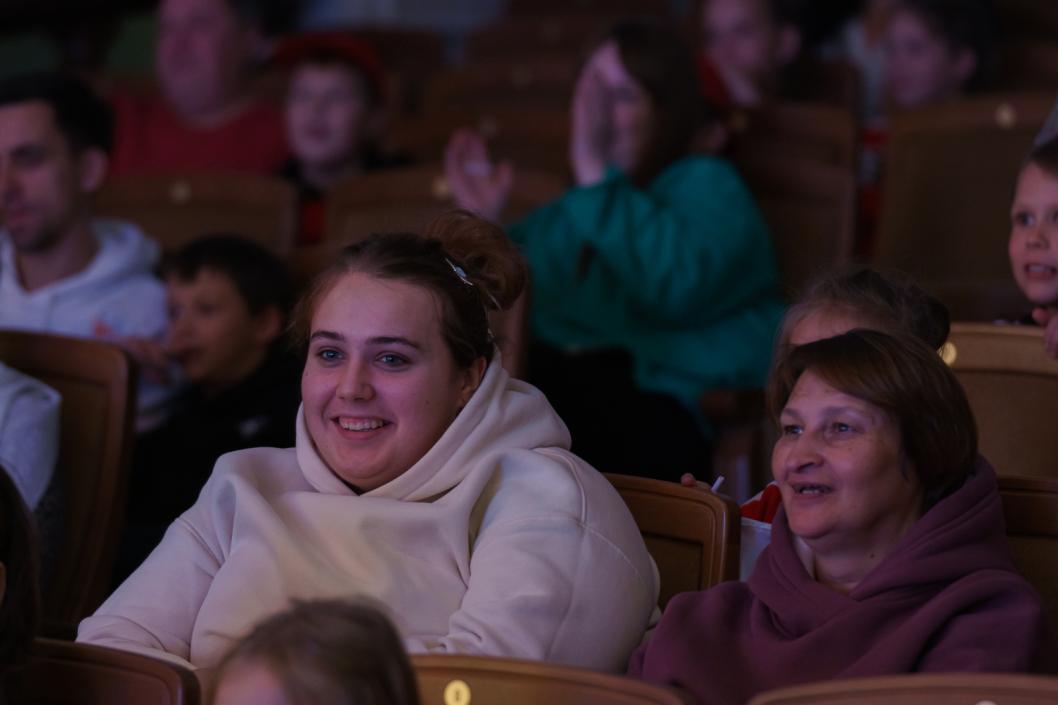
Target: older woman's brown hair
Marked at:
907, 379
329, 651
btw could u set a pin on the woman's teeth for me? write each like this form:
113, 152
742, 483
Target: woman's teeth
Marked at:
812, 489
361, 425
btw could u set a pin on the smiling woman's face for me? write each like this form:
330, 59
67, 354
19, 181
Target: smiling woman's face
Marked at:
380, 385
845, 480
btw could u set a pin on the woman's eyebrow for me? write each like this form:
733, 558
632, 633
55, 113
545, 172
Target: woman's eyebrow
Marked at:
393, 340
326, 335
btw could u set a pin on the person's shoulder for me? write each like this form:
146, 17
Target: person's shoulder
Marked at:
553, 482
267, 471
699, 167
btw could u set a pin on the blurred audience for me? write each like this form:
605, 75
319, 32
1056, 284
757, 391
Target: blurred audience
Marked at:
748, 44
936, 50
335, 112
61, 269
653, 278
889, 552
19, 590
1033, 244
205, 116
228, 305
323, 651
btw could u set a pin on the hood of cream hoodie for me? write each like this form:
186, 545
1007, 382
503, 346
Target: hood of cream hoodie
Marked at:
498, 541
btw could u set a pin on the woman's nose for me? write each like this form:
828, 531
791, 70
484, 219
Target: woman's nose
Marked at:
802, 454
356, 384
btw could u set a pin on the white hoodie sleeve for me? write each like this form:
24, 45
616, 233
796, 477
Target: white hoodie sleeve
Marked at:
154, 610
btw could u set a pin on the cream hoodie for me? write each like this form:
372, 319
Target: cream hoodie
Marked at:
499, 541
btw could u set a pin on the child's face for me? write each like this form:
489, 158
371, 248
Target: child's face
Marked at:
212, 333
740, 36
328, 114
249, 684
824, 323
1034, 235
920, 67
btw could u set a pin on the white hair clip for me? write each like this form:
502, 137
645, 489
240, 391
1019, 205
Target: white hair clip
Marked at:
461, 273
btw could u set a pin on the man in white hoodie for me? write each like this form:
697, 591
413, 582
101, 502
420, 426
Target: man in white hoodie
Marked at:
62, 270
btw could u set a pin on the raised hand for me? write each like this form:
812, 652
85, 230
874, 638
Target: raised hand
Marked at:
591, 127
477, 183
151, 355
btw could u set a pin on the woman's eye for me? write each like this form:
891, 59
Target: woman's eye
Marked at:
840, 427
1022, 219
791, 430
328, 354
392, 360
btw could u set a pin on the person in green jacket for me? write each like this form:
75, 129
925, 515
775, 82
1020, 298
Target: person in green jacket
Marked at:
654, 278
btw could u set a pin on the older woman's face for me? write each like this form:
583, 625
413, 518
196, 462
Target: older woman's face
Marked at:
380, 385
844, 478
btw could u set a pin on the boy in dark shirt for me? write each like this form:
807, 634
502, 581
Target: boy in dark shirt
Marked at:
228, 304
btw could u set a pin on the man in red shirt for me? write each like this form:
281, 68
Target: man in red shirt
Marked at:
204, 117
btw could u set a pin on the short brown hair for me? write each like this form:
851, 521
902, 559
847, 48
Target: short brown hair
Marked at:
903, 376
890, 300
329, 651
468, 263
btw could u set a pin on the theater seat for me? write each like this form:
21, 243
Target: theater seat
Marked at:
692, 533
174, 209
65, 673
97, 384
920, 689
406, 199
481, 680
1013, 390
1030, 506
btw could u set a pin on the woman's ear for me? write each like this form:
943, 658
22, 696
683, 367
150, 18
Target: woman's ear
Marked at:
92, 166
472, 377
268, 325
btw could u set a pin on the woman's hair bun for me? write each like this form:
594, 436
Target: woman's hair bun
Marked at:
489, 258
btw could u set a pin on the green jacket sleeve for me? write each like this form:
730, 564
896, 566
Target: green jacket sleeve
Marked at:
692, 246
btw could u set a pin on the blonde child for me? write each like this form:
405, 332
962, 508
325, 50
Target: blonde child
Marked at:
323, 651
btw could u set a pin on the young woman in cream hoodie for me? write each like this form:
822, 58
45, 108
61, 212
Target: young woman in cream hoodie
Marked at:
423, 477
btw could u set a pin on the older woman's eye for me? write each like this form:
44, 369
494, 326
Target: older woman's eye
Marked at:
840, 427
791, 430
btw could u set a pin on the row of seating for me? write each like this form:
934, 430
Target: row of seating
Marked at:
64, 673
692, 533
